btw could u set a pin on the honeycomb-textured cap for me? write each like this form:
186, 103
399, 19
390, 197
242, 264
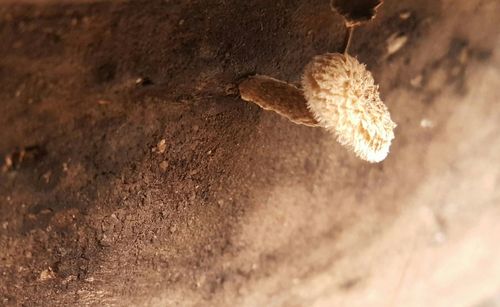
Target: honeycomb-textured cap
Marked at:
344, 98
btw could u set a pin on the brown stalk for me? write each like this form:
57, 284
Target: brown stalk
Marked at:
278, 96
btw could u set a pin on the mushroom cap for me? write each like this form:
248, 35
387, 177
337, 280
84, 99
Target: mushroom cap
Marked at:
344, 98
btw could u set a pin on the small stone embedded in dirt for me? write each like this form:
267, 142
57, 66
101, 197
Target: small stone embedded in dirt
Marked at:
46, 176
47, 274
161, 146
114, 218
7, 165
426, 123
103, 102
200, 281
405, 15
417, 81
46, 211
105, 240
395, 42
164, 166
143, 81
165, 214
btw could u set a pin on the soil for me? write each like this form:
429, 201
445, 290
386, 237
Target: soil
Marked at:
134, 175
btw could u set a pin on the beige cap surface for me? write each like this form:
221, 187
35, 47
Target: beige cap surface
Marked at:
344, 98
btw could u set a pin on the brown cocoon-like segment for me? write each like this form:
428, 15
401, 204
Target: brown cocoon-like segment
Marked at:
278, 96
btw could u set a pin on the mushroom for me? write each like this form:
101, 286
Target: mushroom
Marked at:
338, 93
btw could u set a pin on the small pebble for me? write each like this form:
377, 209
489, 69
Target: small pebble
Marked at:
417, 81
164, 166
405, 15
103, 102
47, 274
395, 42
162, 146
47, 176
426, 123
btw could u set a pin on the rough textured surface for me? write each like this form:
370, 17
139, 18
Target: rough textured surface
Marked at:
239, 207
344, 98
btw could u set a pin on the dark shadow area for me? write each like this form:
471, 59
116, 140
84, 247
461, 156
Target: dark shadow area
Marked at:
105, 196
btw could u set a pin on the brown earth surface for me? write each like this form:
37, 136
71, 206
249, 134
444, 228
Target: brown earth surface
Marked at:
134, 175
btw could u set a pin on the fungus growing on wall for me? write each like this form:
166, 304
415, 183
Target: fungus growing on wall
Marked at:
338, 93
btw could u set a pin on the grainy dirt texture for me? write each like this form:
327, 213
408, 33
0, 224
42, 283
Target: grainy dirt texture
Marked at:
133, 174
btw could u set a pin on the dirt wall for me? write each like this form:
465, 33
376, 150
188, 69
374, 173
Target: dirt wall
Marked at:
134, 174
